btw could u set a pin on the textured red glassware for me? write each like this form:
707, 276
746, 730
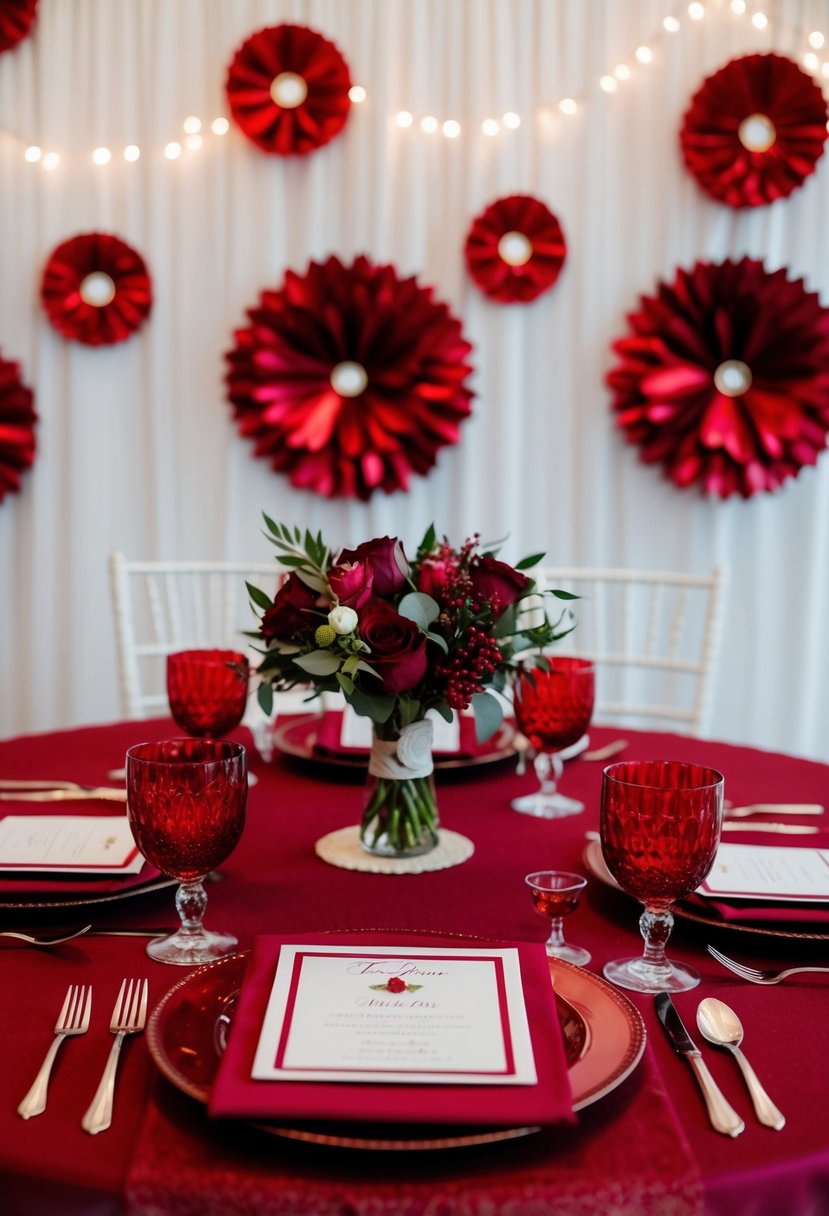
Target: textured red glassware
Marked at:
186, 802
316, 80
722, 379
350, 379
660, 829
556, 893
509, 279
553, 709
17, 427
207, 690
68, 303
755, 130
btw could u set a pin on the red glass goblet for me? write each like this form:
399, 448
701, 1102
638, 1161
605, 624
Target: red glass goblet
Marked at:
553, 708
186, 803
660, 828
207, 690
556, 894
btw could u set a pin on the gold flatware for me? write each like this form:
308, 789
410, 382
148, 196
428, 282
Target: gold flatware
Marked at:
773, 808
606, 752
719, 1024
128, 1017
756, 975
96, 793
72, 1019
782, 829
44, 941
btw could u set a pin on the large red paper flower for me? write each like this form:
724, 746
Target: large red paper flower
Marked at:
16, 17
515, 249
350, 379
17, 427
755, 130
288, 89
96, 289
725, 378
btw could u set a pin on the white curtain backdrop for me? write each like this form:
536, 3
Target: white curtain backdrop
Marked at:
137, 449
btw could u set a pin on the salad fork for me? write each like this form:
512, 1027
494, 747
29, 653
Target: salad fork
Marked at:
755, 974
72, 1019
128, 1017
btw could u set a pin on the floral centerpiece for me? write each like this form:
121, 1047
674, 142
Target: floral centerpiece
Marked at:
399, 638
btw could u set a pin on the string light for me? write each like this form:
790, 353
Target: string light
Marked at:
193, 127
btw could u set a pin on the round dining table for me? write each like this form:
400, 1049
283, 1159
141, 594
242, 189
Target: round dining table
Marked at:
642, 1143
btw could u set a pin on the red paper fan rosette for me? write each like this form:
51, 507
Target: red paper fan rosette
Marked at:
96, 289
515, 249
16, 17
724, 379
754, 130
287, 87
350, 379
17, 427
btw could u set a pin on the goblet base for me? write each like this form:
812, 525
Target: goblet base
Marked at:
637, 975
570, 954
192, 949
547, 806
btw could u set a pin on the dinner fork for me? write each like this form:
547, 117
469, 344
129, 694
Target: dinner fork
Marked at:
755, 974
128, 1017
72, 1019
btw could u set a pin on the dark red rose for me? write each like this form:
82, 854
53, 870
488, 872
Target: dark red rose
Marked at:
382, 556
292, 611
498, 583
395, 984
351, 583
435, 573
398, 648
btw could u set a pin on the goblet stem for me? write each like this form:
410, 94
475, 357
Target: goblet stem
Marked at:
556, 939
655, 925
191, 901
547, 802
548, 768
653, 972
192, 944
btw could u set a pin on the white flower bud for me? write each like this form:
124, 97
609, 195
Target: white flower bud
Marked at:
342, 620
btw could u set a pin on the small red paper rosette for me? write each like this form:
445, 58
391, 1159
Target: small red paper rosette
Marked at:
754, 130
16, 17
96, 289
17, 427
515, 249
724, 379
287, 87
350, 379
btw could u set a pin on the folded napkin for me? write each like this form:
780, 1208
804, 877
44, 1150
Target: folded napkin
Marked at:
236, 1094
328, 741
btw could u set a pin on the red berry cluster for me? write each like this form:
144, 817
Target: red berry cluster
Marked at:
468, 667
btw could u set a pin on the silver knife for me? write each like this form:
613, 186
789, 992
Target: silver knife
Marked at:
723, 1116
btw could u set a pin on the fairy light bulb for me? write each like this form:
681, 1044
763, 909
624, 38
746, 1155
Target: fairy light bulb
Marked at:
568, 105
511, 120
451, 128
622, 71
220, 126
33, 154
51, 160
644, 54
173, 150
404, 119
696, 11
429, 124
810, 61
132, 152
671, 25
102, 156
490, 126
759, 21
738, 7
816, 39
191, 125
357, 93
609, 84
194, 142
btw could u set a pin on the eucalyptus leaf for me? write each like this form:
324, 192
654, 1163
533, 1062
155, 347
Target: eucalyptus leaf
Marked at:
441, 641
314, 581
420, 608
319, 663
379, 709
264, 696
489, 715
345, 682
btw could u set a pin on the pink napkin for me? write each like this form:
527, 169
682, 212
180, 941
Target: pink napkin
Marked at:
548, 1101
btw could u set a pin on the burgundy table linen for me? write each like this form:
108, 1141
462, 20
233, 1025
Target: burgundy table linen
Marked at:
629, 1142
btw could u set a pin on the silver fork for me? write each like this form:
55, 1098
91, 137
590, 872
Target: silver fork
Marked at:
757, 976
72, 1019
128, 1017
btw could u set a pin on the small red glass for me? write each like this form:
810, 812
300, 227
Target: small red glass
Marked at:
207, 690
186, 803
553, 709
660, 829
556, 894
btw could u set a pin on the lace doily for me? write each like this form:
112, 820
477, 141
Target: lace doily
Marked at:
342, 848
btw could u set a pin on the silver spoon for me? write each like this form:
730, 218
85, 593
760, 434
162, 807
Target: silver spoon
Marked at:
720, 1025
45, 941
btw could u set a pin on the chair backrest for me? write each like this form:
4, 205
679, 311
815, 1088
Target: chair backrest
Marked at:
163, 606
654, 637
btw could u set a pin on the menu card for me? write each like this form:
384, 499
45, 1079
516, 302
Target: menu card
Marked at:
339, 1013
746, 871
471, 1036
68, 844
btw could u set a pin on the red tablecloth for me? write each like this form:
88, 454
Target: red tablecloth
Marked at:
274, 883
